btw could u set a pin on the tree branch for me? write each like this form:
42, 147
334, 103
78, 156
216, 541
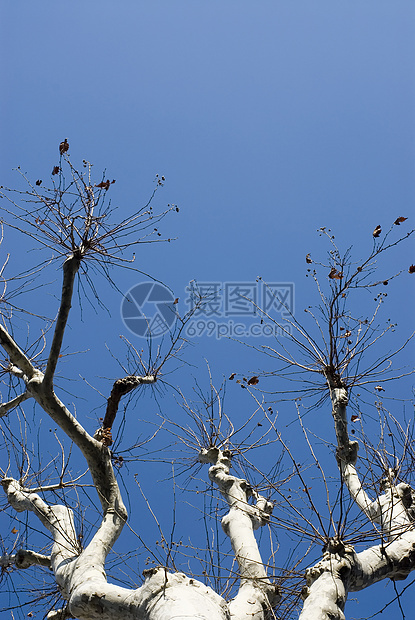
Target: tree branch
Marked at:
119, 389
329, 581
347, 451
70, 269
82, 579
96, 455
389, 510
58, 520
16, 355
256, 593
15, 402
24, 558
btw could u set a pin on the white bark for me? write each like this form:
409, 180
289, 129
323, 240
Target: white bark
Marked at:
256, 594
24, 558
81, 576
326, 593
13, 403
329, 581
82, 580
388, 510
341, 569
163, 596
17, 357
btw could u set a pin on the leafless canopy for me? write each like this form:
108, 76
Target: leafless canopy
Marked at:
348, 534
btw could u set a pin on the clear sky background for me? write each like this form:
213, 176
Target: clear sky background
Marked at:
269, 119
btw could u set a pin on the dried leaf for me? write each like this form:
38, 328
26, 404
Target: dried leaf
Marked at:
176, 301
399, 220
354, 417
55, 170
38, 182
379, 388
104, 184
14, 530
253, 381
335, 275
232, 376
308, 259
64, 147
411, 269
106, 437
377, 231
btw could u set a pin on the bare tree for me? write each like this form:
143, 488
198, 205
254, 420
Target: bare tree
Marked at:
334, 359
73, 220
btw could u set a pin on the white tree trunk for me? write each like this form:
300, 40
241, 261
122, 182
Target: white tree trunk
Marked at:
82, 580
342, 570
256, 593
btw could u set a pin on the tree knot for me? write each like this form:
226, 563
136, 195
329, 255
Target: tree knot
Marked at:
104, 435
335, 545
347, 454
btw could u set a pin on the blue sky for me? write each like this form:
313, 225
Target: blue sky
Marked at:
268, 120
